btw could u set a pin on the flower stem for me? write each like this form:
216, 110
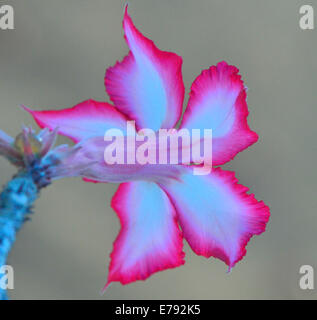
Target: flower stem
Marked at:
16, 202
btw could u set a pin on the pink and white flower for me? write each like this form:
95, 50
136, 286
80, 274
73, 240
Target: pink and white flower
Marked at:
159, 205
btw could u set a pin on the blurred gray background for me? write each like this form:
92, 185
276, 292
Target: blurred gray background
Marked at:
57, 56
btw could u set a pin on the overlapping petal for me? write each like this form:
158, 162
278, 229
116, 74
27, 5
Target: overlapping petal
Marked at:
149, 240
85, 120
147, 85
216, 214
94, 150
218, 102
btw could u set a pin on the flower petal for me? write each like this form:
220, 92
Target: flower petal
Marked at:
218, 102
147, 85
8, 151
94, 149
4, 138
149, 240
87, 119
216, 214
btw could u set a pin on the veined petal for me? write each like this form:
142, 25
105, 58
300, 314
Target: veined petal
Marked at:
149, 240
85, 120
218, 102
216, 214
147, 85
93, 150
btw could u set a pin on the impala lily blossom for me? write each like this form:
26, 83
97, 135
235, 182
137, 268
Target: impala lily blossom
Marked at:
159, 205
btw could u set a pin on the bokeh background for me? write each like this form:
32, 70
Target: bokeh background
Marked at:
57, 56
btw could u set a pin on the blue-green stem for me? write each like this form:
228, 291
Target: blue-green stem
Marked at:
16, 202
